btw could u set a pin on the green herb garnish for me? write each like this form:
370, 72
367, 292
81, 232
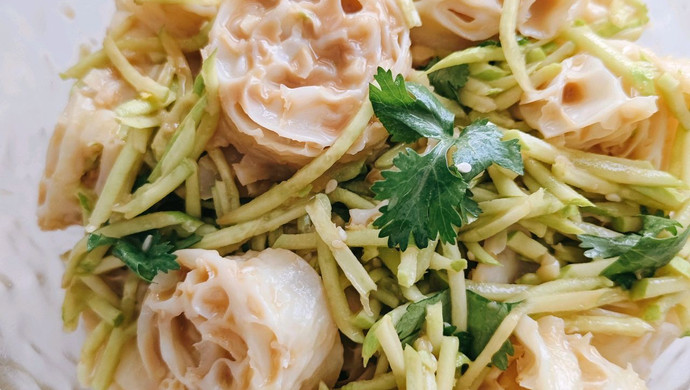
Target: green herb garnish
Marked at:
639, 254
147, 253
430, 194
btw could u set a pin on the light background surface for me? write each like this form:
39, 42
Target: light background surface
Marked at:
40, 38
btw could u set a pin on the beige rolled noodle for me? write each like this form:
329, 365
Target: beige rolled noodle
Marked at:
452, 25
257, 321
293, 74
586, 107
548, 358
82, 149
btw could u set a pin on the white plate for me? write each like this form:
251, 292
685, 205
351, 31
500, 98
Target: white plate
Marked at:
39, 38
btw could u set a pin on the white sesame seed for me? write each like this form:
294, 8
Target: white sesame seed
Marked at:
146, 245
613, 197
463, 167
331, 186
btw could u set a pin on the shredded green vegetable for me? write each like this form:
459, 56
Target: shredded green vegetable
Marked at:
434, 244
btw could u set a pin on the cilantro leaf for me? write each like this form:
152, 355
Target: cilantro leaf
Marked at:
486, 316
408, 111
425, 199
146, 254
639, 254
605, 247
447, 82
652, 225
96, 240
489, 42
146, 264
480, 145
428, 195
410, 324
521, 39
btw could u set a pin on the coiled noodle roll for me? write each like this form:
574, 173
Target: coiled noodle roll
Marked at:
293, 74
257, 321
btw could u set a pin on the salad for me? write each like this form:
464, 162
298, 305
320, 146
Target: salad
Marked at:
373, 194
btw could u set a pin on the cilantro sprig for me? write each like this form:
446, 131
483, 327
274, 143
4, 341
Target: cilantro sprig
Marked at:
410, 324
428, 195
447, 82
486, 317
147, 253
639, 254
